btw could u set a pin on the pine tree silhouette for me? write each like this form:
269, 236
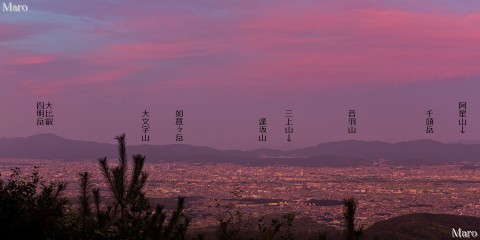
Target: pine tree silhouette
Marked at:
130, 216
349, 210
85, 196
130, 204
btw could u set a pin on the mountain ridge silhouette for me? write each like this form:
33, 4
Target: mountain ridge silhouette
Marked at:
346, 153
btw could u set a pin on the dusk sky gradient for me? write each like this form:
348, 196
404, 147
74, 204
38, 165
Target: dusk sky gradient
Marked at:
227, 63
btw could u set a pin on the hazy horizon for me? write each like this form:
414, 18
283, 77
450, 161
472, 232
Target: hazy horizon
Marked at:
285, 147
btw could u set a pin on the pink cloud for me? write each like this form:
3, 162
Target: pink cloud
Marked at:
46, 86
37, 87
308, 45
28, 60
364, 45
131, 52
281, 45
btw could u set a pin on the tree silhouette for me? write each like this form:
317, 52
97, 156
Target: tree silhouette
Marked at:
32, 209
289, 217
230, 218
349, 209
130, 206
85, 196
130, 216
176, 227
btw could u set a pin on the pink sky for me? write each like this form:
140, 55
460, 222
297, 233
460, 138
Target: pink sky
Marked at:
226, 63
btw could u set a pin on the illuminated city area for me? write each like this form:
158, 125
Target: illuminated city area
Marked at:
315, 194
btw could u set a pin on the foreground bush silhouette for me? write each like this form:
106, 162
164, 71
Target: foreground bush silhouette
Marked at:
233, 225
130, 216
32, 209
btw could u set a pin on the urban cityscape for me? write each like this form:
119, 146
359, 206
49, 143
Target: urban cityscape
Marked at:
314, 194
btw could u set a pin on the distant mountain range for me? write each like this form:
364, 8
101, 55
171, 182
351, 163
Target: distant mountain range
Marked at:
334, 154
